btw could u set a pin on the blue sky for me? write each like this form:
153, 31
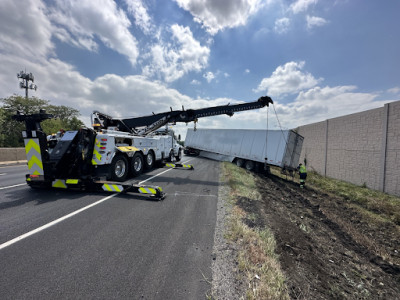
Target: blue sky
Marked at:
316, 59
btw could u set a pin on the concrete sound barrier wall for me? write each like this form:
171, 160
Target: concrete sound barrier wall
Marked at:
361, 148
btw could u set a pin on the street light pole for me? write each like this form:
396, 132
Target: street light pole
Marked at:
24, 84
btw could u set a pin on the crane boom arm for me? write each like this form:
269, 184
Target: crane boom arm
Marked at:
146, 124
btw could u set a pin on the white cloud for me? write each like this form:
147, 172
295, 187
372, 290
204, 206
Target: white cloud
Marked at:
195, 82
79, 22
394, 90
315, 22
301, 5
25, 29
247, 71
288, 79
217, 15
282, 25
209, 76
139, 11
174, 60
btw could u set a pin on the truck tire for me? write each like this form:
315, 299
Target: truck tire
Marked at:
137, 164
171, 157
119, 168
179, 156
249, 165
239, 162
149, 160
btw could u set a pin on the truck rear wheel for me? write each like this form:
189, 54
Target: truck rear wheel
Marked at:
119, 168
149, 160
137, 164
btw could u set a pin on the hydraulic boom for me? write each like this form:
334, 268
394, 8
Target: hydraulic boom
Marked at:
147, 124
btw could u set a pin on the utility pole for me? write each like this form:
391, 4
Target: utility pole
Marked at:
24, 84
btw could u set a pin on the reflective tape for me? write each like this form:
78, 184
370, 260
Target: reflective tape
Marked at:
96, 158
72, 181
148, 190
34, 156
112, 187
59, 183
170, 165
127, 149
188, 166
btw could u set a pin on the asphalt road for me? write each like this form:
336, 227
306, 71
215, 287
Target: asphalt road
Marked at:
123, 247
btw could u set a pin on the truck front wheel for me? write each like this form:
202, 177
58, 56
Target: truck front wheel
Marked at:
179, 156
137, 164
119, 168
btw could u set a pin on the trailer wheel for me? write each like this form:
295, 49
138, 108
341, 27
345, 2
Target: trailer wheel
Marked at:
137, 164
149, 160
119, 168
249, 165
179, 156
239, 162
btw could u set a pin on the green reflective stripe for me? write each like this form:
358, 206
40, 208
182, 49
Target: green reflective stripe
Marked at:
170, 165
96, 154
32, 143
33, 160
143, 190
33, 156
72, 181
96, 158
187, 166
112, 187
59, 183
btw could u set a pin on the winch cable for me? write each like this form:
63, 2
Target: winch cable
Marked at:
279, 123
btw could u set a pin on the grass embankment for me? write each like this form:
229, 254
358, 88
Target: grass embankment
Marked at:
376, 206
257, 259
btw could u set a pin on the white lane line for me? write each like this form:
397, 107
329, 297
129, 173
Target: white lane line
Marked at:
2, 174
41, 228
11, 186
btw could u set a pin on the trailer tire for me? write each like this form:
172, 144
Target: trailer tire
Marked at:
149, 160
239, 162
137, 164
249, 165
179, 156
119, 168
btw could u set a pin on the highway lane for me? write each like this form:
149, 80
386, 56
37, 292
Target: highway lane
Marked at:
12, 175
125, 247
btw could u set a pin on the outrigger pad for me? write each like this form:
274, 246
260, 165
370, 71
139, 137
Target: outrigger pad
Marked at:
154, 192
174, 166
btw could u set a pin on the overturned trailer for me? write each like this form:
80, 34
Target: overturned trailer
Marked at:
253, 149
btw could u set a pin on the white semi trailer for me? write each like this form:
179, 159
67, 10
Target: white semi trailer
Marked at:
252, 149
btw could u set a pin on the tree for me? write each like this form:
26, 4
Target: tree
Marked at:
10, 130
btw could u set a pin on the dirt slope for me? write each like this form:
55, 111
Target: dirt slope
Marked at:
327, 249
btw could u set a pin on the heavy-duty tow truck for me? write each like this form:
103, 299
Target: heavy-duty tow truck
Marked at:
100, 159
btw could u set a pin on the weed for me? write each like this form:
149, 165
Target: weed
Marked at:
257, 258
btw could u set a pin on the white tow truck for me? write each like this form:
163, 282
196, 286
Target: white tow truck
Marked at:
115, 147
